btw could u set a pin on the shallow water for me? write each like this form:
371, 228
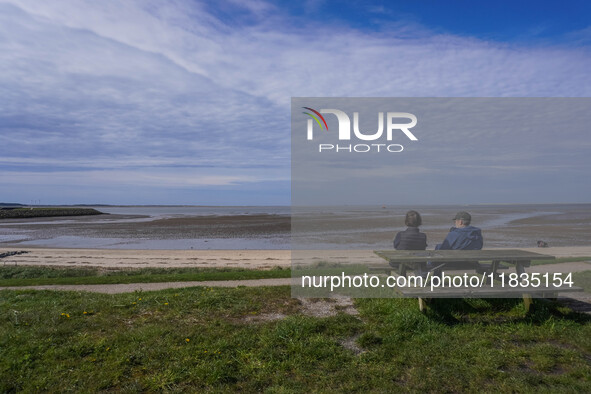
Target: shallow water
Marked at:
159, 244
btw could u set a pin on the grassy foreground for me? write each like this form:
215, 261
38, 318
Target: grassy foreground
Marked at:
260, 339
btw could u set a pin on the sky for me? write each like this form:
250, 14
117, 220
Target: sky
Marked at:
188, 102
460, 151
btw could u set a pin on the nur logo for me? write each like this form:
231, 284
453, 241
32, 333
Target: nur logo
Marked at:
344, 132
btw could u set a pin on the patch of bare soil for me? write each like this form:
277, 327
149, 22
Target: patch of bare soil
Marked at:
325, 307
351, 344
316, 307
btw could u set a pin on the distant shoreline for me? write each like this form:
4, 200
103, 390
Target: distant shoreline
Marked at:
22, 213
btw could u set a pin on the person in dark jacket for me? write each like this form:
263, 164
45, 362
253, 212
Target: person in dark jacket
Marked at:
411, 238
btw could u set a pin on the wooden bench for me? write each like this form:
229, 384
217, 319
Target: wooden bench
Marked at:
401, 261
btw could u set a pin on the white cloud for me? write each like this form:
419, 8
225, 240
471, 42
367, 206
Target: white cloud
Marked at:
153, 177
275, 60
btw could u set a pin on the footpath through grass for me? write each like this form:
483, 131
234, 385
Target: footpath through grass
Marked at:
260, 339
31, 276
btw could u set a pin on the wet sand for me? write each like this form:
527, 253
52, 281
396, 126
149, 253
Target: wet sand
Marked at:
130, 226
259, 231
351, 228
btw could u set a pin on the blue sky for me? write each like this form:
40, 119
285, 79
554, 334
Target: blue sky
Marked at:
188, 102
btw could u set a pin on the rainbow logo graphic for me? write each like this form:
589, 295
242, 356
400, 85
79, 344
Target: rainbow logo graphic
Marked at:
316, 118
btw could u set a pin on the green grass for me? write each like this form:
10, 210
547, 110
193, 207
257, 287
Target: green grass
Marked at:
583, 279
138, 342
30, 276
560, 260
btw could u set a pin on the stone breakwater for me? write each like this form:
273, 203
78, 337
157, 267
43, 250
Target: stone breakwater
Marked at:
21, 213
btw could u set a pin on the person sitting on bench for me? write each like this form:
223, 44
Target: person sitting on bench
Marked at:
462, 236
411, 238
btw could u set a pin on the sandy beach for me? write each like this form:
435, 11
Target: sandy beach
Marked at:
253, 259
116, 259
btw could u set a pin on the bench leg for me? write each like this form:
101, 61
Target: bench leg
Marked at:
493, 269
422, 304
527, 302
402, 269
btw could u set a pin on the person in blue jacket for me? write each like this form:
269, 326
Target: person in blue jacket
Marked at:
462, 236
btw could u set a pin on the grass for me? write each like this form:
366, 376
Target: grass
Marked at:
560, 260
30, 276
205, 339
583, 279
